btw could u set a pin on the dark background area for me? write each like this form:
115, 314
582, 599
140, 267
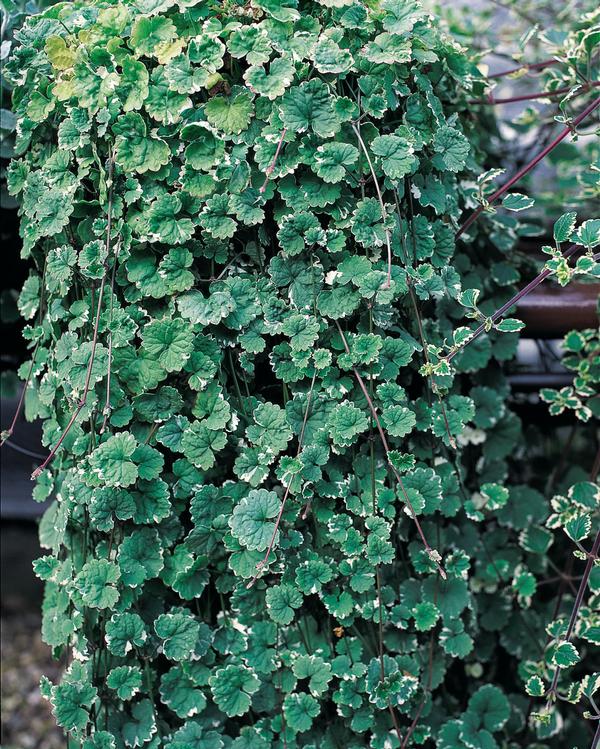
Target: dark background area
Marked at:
26, 720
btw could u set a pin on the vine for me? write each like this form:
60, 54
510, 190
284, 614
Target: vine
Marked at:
246, 225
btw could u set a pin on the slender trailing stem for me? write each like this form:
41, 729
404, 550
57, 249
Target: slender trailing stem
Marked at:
271, 167
526, 66
432, 554
264, 561
8, 432
415, 720
427, 689
536, 95
411, 292
381, 646
283, 731
591, 558
107, 407
529, 166
381, 203
88, 376
484, 327
236, 383
82, 400
23, 450
432, 385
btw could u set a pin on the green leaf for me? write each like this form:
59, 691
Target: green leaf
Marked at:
535, 687
316, 670
564, 225
300, 710
517, 202
112, 462
309, 106
330, 58
163, 223
72, 704
425, 615
140, 557
490, 707
178, 633
179, 692
270, 430
333, 160
274, 83
124, 632
126, 681
368, 225
200, 445
148, 35
281, 602
455, 641
169, 343
346, 423
97, 584
231, 114
395, 688
135, 151
452, 148
252, 521
396, 154
142, 726
232, 689
398, 420
163, 104
578, 527
588, 234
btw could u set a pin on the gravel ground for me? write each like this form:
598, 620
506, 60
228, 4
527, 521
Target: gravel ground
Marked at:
27, 722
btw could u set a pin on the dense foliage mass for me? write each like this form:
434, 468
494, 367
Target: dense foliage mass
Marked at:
288, 510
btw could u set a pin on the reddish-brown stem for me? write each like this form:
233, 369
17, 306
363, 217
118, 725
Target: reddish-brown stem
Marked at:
280, 690
528, 167
271, 167
592, 556
591, 559
86, 388
8, 432
110, 344
415, 720
393, 715
381, 203
88, 375
595, 468
264, 561
430, 552
451, 440
526, 66
511, 302
427, 689
537, 95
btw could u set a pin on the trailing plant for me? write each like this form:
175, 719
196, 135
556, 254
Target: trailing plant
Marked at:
12, 16
539, 62
289, 506
567, 68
